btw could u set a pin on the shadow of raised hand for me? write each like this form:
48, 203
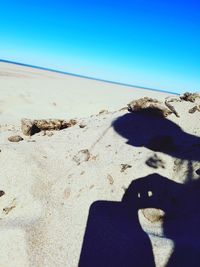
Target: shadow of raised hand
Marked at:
180, 203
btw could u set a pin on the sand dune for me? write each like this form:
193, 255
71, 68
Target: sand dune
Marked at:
51, 179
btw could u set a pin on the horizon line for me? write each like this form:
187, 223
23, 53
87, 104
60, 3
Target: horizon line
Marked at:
86, 77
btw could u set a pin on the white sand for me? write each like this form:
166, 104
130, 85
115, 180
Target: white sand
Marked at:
42, 94
49, 193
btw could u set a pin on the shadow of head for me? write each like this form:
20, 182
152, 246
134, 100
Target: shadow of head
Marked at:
150, 130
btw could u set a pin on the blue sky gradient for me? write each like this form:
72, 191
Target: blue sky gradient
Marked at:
147, 43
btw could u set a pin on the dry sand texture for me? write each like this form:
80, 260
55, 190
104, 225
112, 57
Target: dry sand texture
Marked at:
50, 179
39, 94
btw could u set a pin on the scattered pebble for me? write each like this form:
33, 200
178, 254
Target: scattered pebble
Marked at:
15, 138
82, 125
194, 109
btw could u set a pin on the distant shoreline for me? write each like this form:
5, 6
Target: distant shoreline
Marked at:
85, 77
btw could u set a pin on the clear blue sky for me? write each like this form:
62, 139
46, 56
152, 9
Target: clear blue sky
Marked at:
152, 43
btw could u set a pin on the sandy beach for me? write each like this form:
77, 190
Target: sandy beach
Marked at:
35, 93
50, 179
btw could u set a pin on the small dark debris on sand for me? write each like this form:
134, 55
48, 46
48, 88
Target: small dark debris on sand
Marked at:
8, 209
125, 166
194, 109
171, 107
2, 193
30, 127
15, 138
82, 125
191, 97
103, 111
155, 162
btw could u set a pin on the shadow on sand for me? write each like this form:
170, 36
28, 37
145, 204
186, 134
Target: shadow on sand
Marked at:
114, 236
158, 134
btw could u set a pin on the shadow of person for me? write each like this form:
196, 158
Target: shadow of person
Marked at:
181, 222
158, 134
114, 236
